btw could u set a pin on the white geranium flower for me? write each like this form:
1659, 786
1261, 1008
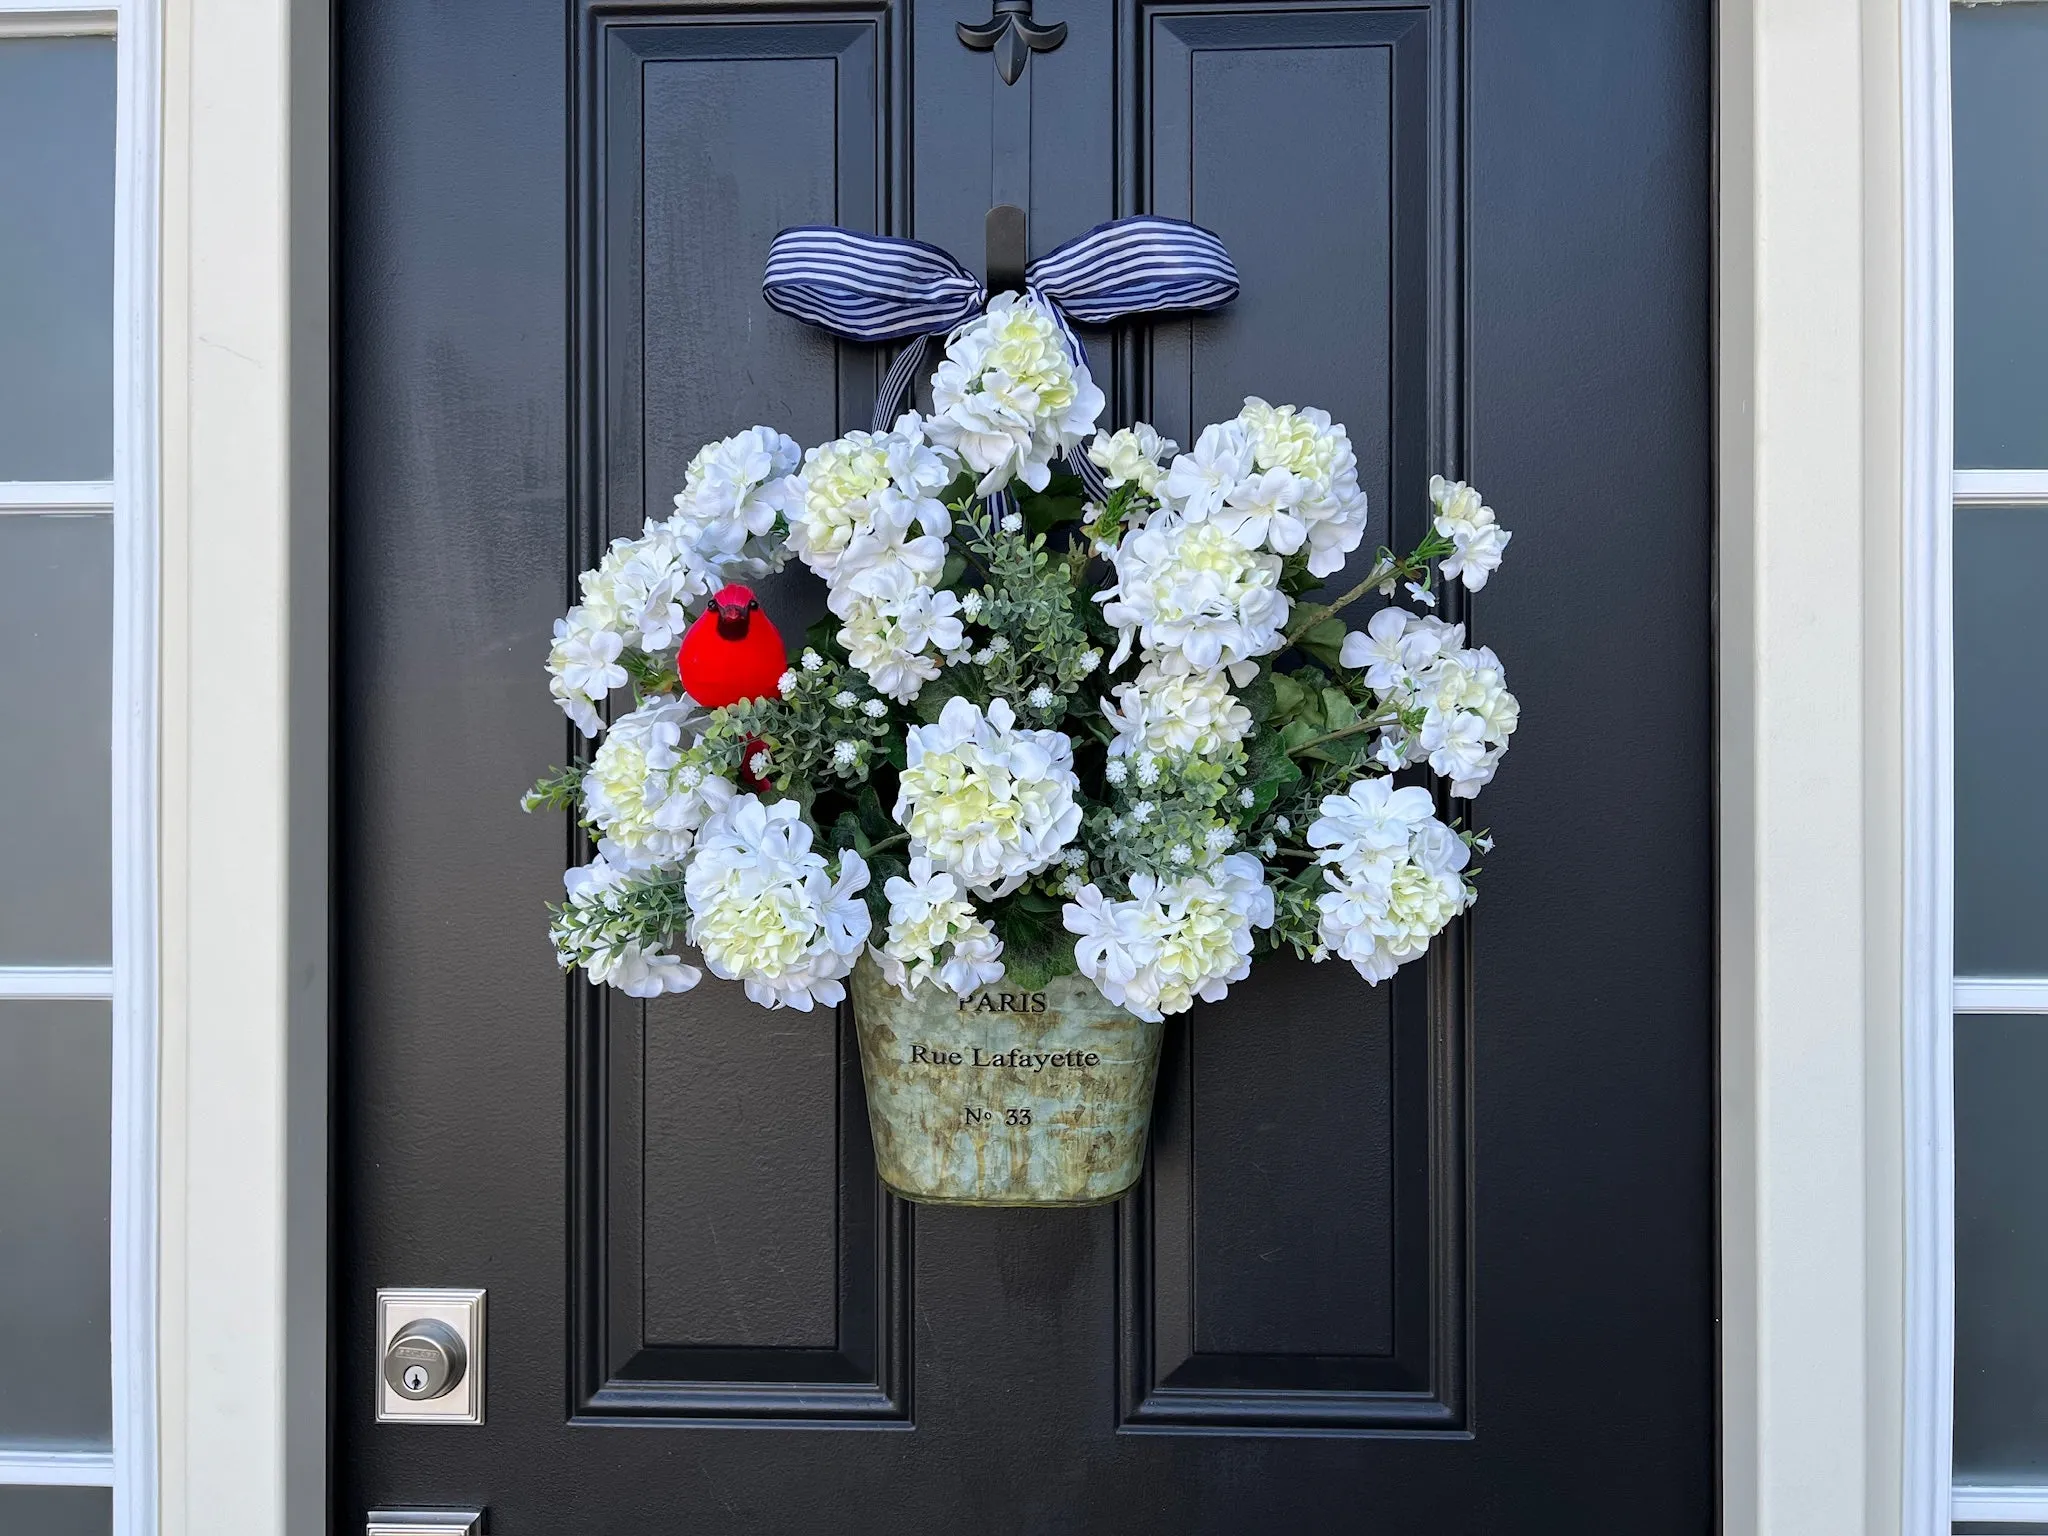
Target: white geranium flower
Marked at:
1369, 823
592, 930
1009, 398
1132, 456
766, 910
734, 492
872, 497
1160, 711
646, 801
1394, 872
1172, 941
1468, 717
1197, 482
936, 935
1259, 511
1330, 508
583, 666
892, 626
1193, 593
985, 801
1468, 523
1381, 913
1396, 647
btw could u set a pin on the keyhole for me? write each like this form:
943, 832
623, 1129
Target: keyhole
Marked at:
415, 1378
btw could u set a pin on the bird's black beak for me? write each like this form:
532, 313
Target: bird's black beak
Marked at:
733, 619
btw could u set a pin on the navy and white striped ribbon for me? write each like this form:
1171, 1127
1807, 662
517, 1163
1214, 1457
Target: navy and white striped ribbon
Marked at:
877, 288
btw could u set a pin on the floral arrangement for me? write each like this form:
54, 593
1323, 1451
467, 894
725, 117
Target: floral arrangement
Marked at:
1039, 733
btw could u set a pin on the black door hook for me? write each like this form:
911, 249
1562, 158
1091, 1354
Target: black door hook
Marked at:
1006, 249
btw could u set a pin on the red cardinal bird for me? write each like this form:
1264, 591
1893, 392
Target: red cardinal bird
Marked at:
732, 652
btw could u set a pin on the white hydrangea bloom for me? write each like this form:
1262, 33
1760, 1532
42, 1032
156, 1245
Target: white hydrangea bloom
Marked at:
1173, 940
583, 666
1193, 593
1160, 711
936, 935
646, 801
985, 801
647, 590
872, 497
1394, 872
1469, 716
1196, 482
896, 629
734, 492
1468, 523
592, 930
1009, 398
766, 910
1328, 506
1134, 456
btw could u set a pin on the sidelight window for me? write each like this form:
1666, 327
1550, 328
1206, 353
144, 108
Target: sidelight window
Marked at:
1999, 116
77, 762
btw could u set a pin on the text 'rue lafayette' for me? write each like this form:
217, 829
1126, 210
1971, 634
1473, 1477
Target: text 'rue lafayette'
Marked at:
975, 1056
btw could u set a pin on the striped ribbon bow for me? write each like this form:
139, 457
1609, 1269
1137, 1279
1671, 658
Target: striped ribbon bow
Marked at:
878, 288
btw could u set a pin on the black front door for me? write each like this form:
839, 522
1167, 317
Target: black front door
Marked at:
1436, 1257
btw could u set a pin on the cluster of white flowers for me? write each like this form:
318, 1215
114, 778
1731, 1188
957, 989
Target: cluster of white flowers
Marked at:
985, 801
1159, 712
1195, 597
1166, 893
1468, 713
1469, 524
1173, 940
766, 909
645, 799
594, 929
1010, 398
871, 524
645, 591
1395, 874
1276, 478
935, 935
1134, 456
736, 492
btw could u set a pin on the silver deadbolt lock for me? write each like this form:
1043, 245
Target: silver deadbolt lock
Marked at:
425, 1360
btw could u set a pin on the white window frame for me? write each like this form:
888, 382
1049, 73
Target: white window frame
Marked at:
129, 983
1935, 995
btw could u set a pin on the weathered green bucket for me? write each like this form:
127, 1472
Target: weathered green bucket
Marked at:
1006, 1097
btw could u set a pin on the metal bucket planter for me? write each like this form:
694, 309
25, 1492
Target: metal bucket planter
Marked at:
1006, 1097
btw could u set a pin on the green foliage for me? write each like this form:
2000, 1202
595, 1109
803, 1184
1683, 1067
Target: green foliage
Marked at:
1036, 945
561, 790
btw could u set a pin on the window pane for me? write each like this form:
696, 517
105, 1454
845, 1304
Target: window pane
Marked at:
56, 819
57, 258
55, 1104
2001, 637
56, 1511
2000, 57
2001, 1247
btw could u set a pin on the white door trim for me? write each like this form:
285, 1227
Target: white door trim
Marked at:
1927, 953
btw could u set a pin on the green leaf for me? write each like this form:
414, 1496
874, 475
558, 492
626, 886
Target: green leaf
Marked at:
932, 698
1338, 711
1325, 641
1289, 698
873, 819
1259, 696
847, 833
956, 567
1036, 947
823, 637
1298, 733
1044, 512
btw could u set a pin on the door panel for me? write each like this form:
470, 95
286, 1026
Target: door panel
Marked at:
1436, 1256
